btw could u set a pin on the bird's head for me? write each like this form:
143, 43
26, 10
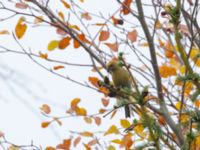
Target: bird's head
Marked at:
112, 65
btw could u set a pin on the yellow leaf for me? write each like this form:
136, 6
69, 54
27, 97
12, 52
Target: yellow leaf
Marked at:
112, 130
74, 103
80, 111
167, 71
12, 147
184, 118
20, 28
178, 105
125, 123
52, 45
139, 130
88, 120
86, 134
66, 4
44, 56
61, 15
117, 141
111, 147
194, 52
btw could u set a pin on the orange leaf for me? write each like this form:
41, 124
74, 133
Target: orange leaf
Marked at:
166, 71
76, 44
65, 145
50, 148
64, 42
112, 130
86, 134
105, 102
4, 32
101, 111
65, 4
45, 108
20, 28
74, 103
86, 16
197, 103
104, 35
97, 120
45, 124
44, 56
104, 90
76, 141
161, 120
80, 111
132, 36
58, 67
94, 81
113, 46
126, 7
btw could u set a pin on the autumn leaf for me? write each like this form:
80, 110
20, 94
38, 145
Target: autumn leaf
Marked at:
104, 90
65, 145
139, 130
12, 147
64, 43
101, 111
87, 134
111, 147
178, 105
76, 141
92, 142
44, 56
167, 71
45, 108
87, 147
132, 36
88, 120
86, 16
4, 32
104, 35
53, 45
38, 19
125, 123
113, 46
21, 5
117, 21
126, 7
94, 81
74, 103
45, 124
105, 102
80, 111
58, 67
50, 148
117, 141
112, 130
97, 120
20, 28
161, 120
66, 4
61, 15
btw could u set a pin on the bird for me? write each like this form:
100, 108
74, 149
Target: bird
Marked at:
121, 79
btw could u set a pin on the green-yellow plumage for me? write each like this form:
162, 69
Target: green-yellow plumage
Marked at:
121, 79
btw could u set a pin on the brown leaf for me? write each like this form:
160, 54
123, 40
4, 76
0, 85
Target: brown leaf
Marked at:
74, 103
92, 142
105, 102
21, 5
104, 35
86, 16
113, 46
117, 21
4, 32
97, 120
76, 141
132, 36
45, 124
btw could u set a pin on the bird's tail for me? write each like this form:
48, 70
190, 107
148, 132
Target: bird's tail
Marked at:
127, 111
